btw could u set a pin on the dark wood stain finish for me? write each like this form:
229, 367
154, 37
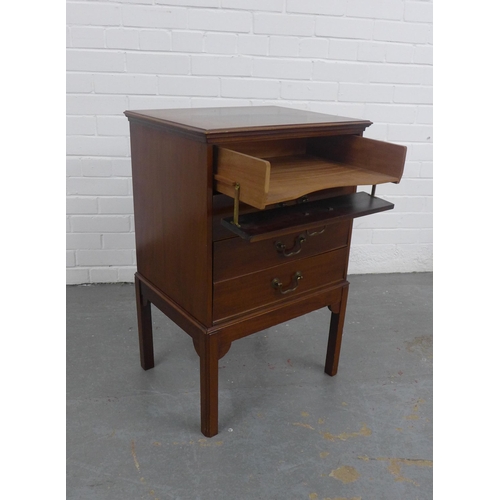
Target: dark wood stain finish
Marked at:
173, 242
244, 293
223, 125
235, 257
210, 281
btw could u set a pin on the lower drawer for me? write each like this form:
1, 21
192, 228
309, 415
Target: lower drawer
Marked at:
238, 295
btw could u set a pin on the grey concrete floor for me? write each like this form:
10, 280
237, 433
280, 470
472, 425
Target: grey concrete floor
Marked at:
286, 429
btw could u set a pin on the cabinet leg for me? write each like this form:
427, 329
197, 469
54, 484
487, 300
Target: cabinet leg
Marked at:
145, 328
335, 336
209, 384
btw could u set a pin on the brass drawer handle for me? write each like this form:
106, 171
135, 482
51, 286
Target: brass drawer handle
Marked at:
278, 285
315, 233
281, 248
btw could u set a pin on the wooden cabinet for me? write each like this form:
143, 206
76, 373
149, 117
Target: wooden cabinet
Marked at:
243, 220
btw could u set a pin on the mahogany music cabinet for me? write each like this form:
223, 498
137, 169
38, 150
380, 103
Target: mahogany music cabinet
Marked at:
243, 220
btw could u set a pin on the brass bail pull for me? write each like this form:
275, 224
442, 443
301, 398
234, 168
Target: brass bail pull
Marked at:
281, 248
278, 285
316, 233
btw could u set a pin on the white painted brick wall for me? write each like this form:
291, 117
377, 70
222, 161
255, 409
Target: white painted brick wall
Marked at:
360, 58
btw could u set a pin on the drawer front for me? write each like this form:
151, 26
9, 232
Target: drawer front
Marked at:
275, 284
236, 257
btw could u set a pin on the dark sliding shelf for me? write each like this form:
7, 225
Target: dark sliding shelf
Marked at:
263, 224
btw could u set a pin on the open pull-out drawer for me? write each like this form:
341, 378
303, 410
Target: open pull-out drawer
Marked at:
275, 172
272, 172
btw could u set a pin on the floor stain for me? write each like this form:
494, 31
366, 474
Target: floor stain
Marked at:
394, 466
313, 496
422, 345
364, 431
307, 426
416, 408
201, 442
205, 442
346, 474
324, 454
343, 498
136, 463
412, 417
134, 456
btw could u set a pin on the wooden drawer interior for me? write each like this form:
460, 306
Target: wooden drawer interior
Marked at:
270, 172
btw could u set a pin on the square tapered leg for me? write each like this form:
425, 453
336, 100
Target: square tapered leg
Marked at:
209, 384
335, 336
145, 327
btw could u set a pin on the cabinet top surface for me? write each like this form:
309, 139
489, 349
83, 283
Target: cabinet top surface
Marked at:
228, 121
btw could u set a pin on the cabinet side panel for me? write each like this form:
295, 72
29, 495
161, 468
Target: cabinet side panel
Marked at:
171, 206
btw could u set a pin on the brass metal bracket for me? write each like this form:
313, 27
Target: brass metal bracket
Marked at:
236, 209
236, 186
